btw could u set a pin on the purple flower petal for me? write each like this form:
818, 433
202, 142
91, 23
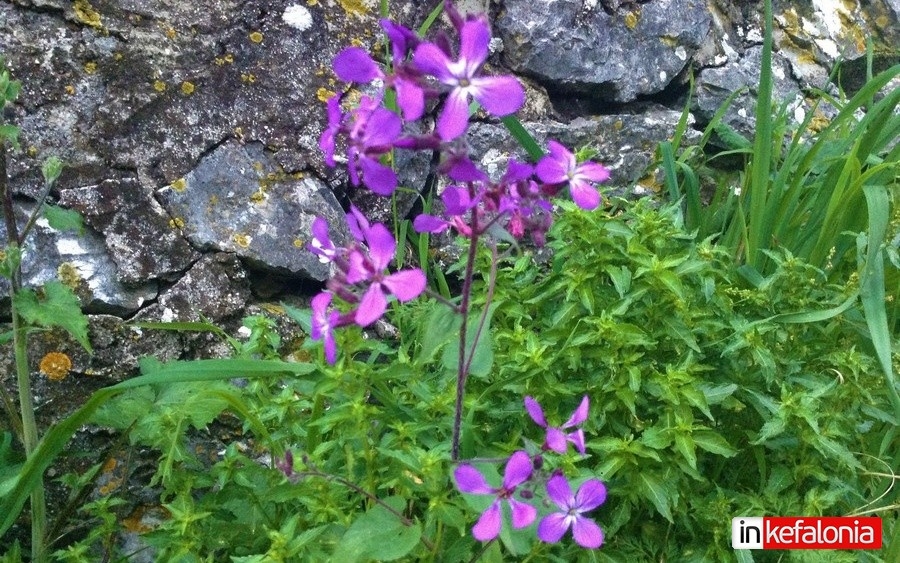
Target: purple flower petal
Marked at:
518, 470
593, 171
523, 514
488, 526
534, 410
464, 170
500, 95
584, 195
455, 116
429, 224
357, 269
328, 341
381, 246
474, 38
410, 98
552, 527
556, 440
559, 491
517, 171
382, 129
590, 495
551, 171
587, 534
470, 480
577, 438
402, 38
379, 178
319, 305
430, 59
405, 284
580, 414
456, 200
357, 223
355, 65
321, 244
371, 307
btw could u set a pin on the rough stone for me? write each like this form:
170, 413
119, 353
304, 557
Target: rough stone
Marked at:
80, 261
237, 200
577, 46
216, 289
142, 239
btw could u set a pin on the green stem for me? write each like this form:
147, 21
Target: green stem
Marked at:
464, 313
23, 381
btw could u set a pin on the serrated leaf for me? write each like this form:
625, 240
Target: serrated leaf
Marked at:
379, 534
65, 220
55, 306
713, 443
685, 446
655, 491
10, 133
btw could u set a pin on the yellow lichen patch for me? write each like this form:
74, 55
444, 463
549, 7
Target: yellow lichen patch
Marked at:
56, 366
159, 85
110, 465
31, 151
631, 20
298, 243
176, 223
312, 2
248, 78
225, 59
241, 240
668, 41
357, 42
187, 88
70, 90
618, 125
258, 196
257, 165
68, 275
86, 14
179, 185
256, 37
213, 199
171, 33
90, 67
324, 94
118, 56
354, 7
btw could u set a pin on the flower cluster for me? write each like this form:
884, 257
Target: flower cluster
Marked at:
473, 204
521, 475
362, 279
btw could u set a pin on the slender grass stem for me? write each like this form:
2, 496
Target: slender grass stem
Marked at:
462, 374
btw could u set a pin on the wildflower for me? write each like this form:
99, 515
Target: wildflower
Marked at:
560, 167
335, 119
556, 437
499, 95
323, 324
321, 244
56, 366
470, 480
590, 495
404, 285
456, 203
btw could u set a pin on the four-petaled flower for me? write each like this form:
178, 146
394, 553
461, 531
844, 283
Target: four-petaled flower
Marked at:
500, 95
590, 495
556, 437
470, 480
323, 323
560, 167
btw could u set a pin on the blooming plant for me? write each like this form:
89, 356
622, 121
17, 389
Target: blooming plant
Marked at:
477, 207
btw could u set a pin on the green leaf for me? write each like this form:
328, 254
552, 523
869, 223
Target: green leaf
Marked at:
657, 493
440, 328
480, 355
10, 133
64, 219
379, 534
51, 170
54, 306
713, 443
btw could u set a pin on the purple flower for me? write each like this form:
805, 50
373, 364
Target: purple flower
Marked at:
499, 95
586, 532
560, 167
372, 135
321, 244
470, 480
556, 437
335, 121
370, 267
456, 203
324, 323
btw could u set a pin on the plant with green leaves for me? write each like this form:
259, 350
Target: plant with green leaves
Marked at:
828, 197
